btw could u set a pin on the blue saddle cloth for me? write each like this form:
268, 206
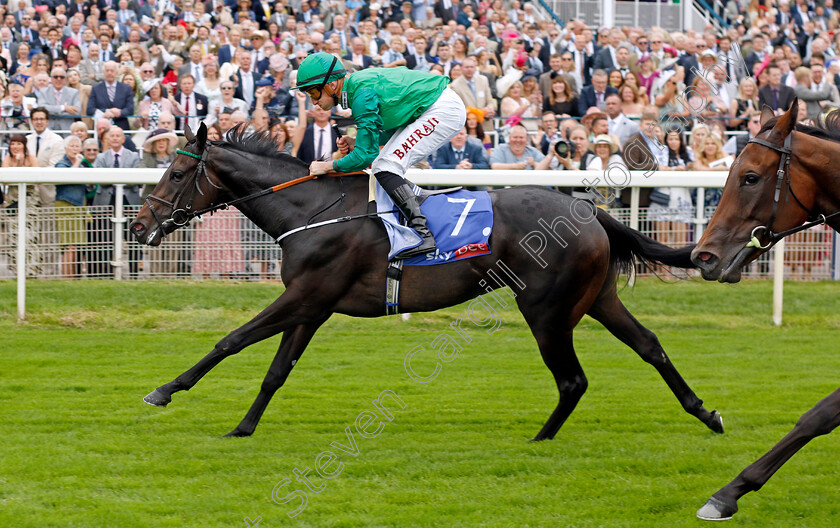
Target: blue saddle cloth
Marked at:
461, 223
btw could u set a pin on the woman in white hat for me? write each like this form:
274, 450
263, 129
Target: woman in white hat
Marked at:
152, 106
608, 161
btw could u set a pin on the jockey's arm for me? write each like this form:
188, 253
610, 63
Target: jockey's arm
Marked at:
368, 124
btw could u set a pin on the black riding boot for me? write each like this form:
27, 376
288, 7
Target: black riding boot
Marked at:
406, 201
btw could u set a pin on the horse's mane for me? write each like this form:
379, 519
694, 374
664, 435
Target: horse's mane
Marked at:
828, 127
259, 143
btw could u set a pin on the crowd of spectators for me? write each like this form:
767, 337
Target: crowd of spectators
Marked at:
539, 94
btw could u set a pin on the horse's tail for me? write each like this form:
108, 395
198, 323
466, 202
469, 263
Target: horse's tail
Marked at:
626, 244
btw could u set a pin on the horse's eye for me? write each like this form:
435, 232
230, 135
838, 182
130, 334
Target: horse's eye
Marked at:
177, 176
750, 179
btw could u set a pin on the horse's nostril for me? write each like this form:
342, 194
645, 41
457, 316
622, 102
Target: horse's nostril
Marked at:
137, 228
705, 256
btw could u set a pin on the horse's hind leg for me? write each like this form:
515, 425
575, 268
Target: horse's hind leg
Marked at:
609, 311
292, 345
558, 353
821, 420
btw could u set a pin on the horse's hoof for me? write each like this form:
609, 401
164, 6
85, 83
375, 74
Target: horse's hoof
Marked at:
157, 398
236, 433
716, 510
716, 422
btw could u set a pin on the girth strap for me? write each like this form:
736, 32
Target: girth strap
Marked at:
392, 287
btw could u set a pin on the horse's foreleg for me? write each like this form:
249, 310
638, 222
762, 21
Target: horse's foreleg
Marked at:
610, 312
280, 315
821, 420
291, 348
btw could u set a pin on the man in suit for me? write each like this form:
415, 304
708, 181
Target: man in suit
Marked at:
92, 69
62, 102
447, 10
345, 33
460, 154
419, 60
775, 94
47, 146
194, 66
117, 156
357, 56
555, 66
759, 45
246, 78
819, 81
620, 125
113, 99
596, 93
551, 45
205, 44
188, 102
582, 63
319, 139
605, 59
228, 51
474, 89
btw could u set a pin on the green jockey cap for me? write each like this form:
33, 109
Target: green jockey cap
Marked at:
319, 69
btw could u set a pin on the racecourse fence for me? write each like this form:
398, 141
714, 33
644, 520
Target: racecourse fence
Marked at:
91, 242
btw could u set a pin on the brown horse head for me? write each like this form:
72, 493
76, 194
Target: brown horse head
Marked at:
767, 192
185, 187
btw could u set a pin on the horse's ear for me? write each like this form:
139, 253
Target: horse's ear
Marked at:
188, 133
201, 136
766, 115
787, 121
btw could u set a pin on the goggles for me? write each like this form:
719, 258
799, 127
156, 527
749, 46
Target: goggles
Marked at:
314, 92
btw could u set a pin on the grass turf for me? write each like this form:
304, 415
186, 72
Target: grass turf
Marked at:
80, 448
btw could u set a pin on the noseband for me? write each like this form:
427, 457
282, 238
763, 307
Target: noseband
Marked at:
783, 176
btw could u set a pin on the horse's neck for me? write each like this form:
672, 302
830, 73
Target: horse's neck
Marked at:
295, 206
827, 194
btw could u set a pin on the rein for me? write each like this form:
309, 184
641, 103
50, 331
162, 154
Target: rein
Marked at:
182, 216
783, 176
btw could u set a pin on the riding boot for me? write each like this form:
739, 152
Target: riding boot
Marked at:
406, 201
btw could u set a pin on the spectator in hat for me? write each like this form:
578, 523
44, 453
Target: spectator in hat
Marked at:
152, 106
159, 149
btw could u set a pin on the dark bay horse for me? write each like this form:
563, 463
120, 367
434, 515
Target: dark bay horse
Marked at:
341, 268
787, 177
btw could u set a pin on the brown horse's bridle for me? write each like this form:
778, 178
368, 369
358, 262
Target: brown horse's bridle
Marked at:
783, 176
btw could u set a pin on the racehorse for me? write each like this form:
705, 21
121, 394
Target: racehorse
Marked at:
341, 267
783, 177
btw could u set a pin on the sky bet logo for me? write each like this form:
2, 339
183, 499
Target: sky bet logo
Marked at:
470, 250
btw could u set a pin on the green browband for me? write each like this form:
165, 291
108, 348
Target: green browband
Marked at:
190, 154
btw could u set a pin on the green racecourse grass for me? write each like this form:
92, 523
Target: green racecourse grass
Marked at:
80, 448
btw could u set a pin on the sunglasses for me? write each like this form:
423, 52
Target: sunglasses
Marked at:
92, 150
58, 77
656, 42
147, 71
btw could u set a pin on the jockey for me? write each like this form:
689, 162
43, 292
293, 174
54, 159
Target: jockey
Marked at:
415, 112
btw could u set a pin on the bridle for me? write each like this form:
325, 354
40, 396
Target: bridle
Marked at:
181, 216
783, 176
